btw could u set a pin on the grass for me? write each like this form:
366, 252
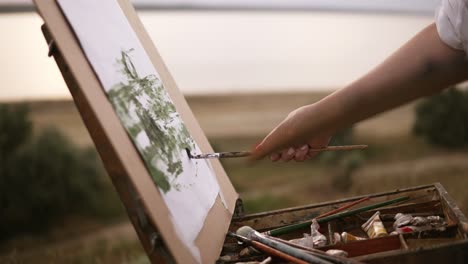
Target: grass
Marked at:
266, 202
388, 164
101, 251
392, 161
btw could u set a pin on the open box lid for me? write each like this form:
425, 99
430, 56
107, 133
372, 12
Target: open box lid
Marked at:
140, 124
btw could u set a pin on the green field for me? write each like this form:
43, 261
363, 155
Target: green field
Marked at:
395, 159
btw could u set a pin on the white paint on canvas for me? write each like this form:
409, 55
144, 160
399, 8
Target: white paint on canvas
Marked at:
189, 187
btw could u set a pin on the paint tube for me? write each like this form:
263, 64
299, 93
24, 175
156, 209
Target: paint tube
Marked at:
318, 238
374, 226
337, 253
413, 229
402, 220
347, 237
433, 220
306, 241
408, 229
336, 238
419, 221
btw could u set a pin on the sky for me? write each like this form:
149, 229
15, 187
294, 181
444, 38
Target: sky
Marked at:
227, 52
402, 5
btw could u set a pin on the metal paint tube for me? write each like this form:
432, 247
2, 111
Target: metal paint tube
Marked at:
374, 226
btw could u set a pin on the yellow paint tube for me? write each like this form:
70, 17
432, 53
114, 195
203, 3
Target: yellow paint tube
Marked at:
374, 227
347, 237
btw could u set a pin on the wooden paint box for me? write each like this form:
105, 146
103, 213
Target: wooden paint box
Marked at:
150, 214
433, 246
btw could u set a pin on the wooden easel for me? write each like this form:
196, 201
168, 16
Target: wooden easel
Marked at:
147, 233
141, 198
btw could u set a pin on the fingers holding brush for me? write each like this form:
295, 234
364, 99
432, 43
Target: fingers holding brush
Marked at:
307, 152
303, 126
292, 153
281, 137
302, 152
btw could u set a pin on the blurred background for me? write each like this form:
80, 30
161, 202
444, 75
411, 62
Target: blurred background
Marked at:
243, 66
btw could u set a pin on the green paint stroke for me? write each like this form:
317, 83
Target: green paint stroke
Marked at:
144, 106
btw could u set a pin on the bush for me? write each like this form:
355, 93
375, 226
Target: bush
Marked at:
443, 119
15, 129
46, 178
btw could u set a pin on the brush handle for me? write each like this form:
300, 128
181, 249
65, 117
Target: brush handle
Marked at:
273, 252
289, 228
292, 251
239, 154
342, 208
338, 148
222, 155
319, 253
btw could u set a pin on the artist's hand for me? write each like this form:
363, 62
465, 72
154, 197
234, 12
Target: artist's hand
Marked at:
430, 66
301, 153
293, 137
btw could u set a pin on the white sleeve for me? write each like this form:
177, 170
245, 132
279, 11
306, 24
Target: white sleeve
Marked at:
452, 23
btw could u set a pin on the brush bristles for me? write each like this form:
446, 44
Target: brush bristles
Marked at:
245, 231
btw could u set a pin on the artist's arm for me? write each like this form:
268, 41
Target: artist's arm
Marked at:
423, 66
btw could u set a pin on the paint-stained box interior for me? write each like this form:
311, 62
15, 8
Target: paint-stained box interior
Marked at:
449, 243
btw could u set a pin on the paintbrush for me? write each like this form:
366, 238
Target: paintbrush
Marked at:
246, 232
289, 228
269, 250
342, 208
317, 252
239, 154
